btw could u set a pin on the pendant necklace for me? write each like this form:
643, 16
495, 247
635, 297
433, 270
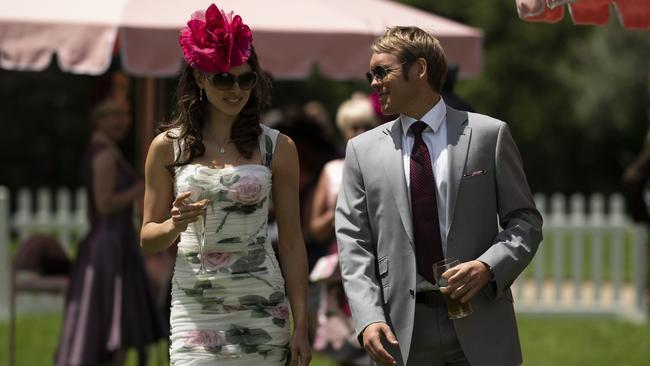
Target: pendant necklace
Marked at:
221, 147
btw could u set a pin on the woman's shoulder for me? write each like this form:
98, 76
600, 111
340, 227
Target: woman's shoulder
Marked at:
274, 138
164, 140
269, 131
162, 146
283, 142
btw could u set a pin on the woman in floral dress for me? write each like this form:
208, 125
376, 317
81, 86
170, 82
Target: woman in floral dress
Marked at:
209, 178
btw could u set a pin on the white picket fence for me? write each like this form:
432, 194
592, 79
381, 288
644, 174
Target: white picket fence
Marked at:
35, 213
593, 259
67, 222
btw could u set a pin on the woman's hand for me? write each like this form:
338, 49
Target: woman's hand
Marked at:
300, 349
185, 212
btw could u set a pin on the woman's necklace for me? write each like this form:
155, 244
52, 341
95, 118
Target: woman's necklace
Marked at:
221, 147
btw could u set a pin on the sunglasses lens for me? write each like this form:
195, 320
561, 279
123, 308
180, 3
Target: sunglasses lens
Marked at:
381, 72
369, 76
223, 81
226, 80
247, 80
378, 73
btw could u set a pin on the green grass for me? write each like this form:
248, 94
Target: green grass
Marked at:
583, 341
546, 341
37, 337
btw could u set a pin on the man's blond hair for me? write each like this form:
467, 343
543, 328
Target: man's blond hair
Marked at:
410, 44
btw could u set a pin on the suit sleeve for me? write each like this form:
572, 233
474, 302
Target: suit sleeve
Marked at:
357, 254
515, 246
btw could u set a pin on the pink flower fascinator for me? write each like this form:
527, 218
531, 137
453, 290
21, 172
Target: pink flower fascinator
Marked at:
215, 41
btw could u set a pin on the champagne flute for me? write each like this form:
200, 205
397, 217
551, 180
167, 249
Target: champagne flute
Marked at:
200, 194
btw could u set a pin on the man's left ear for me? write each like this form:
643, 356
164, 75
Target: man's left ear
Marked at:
421, 68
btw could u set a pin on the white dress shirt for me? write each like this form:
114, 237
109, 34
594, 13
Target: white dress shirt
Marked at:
435, 137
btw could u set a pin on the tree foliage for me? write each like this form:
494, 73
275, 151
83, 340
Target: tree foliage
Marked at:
576, 97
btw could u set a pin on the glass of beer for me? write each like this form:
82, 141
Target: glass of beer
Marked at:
455, 309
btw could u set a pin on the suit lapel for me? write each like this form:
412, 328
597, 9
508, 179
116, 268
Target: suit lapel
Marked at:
458, 138
394, 170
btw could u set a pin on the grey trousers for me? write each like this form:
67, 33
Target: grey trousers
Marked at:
434, 341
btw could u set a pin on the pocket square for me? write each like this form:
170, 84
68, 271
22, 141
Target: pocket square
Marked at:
475, 173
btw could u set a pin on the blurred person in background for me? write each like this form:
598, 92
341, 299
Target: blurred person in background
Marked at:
109, 304
314, 151
316, 111
635, 187
635, 181
335, 334
449, 94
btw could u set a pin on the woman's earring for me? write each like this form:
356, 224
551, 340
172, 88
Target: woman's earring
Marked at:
200, 95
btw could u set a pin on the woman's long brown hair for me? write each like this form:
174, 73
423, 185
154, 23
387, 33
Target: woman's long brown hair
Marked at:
190, 114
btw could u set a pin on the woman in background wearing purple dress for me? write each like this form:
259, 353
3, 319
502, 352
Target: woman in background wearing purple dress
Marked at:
109, 307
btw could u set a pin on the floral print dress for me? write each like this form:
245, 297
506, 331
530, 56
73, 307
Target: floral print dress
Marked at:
237, 312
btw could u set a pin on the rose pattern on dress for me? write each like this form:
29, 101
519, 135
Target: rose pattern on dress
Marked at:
280, 312
200, 185
207, 339
216, 260
247, 190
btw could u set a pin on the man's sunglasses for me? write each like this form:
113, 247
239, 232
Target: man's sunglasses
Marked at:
226, 80
379, 72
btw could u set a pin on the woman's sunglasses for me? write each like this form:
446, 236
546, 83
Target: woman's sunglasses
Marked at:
226, 80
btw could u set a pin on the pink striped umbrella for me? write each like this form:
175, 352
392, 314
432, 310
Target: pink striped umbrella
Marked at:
291, 36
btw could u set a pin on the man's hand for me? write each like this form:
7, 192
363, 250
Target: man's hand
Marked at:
372, 342
466, 279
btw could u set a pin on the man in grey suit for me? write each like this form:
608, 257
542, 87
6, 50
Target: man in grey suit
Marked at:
434, 183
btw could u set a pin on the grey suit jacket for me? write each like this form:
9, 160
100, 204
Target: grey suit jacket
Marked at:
375, 232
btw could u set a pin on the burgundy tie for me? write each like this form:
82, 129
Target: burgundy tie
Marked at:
426, 226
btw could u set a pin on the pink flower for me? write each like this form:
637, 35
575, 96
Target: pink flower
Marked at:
247, 190
204, 338
214, 41
215, 260
280, 311
376, 104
